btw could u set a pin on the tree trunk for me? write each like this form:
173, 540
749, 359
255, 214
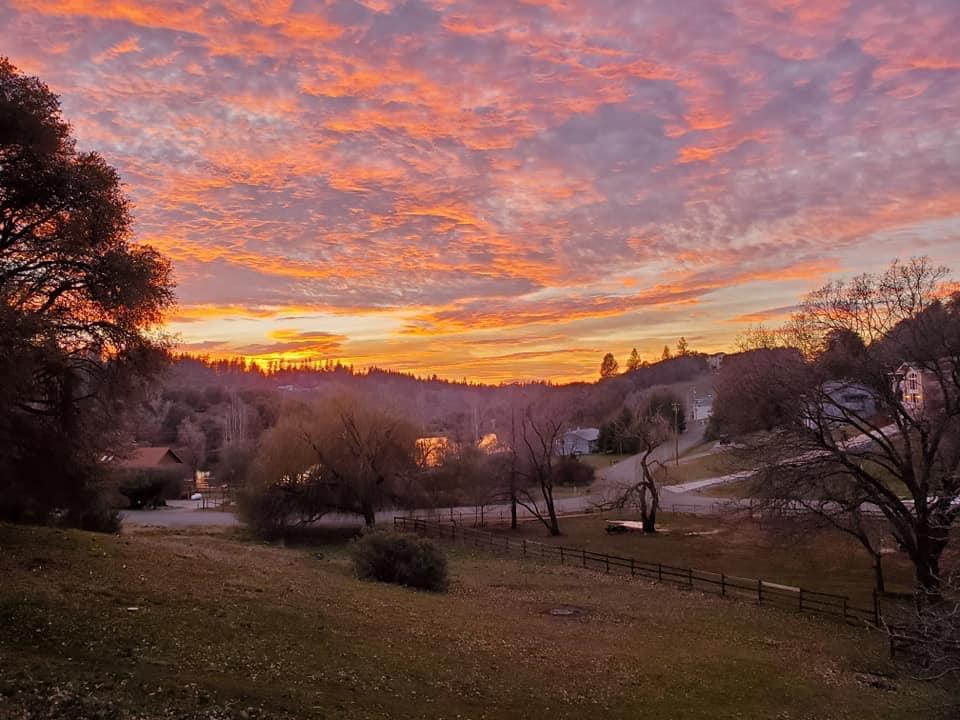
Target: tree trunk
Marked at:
650, 521
513, 510
878, 582
927, 573
554, 525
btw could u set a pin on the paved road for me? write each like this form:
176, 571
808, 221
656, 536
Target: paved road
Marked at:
187, 513
626, 471
179, 513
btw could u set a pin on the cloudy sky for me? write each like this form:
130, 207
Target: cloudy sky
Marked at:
498, 190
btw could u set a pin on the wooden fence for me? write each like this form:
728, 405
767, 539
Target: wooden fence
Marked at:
482, 516
762, 591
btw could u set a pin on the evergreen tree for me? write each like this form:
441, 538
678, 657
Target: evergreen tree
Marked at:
634, 362
682, 347
609, 366
666, 353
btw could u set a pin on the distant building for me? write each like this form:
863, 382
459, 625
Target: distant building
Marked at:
715, 361
581, 441
490, 444
843, 399
150, 458
431, 451
701, 409
918, 388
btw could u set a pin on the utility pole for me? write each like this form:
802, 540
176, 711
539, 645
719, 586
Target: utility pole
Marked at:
676, 433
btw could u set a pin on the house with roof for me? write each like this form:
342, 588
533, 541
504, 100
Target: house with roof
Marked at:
148, 475
152, 458
917, 388
844, 399
580, 441
701, 409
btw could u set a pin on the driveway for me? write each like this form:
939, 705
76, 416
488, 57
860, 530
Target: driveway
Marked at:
626, 471
179, 513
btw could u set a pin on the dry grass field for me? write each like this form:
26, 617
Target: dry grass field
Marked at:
160, 624
827, 561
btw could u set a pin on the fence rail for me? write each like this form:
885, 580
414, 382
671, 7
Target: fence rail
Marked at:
482, 516
764, 592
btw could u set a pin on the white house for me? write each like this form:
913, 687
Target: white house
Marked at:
581, 441
701, 409
845, 398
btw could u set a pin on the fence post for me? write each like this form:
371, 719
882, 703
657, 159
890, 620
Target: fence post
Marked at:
723, 585
760, 592
801, 600
690, 577
562, 562
584, 558
524, 548
660, 572
844, 608
606, 559
632, 569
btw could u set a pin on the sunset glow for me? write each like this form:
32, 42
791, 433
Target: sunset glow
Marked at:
503, 190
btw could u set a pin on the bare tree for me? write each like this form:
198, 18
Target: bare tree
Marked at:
191, 437
926, 640
854, 437
537, 430
648, 431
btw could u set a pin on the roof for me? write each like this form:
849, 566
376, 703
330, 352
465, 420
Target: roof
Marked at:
588, 434
144, 457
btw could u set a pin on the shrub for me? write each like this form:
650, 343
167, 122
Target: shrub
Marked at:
570, 471
393, 557
150, 488
267, 511
95, 516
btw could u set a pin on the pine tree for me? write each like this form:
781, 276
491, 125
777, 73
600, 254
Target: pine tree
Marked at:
609, 366
634, 362
682, 347
666, 353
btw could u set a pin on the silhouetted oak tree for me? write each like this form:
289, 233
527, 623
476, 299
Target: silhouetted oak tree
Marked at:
78, 305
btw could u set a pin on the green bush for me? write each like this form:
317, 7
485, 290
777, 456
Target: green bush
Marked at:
393, 557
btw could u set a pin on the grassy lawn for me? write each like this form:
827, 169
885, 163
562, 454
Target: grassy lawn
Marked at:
733, 490
701, 468
828, 562
569, 491
600, 461
189, 625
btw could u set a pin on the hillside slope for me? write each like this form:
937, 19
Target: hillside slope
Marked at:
190, 625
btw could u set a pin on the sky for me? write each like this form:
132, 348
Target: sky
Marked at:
507, 190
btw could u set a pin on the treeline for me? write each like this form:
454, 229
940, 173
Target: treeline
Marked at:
351, 454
